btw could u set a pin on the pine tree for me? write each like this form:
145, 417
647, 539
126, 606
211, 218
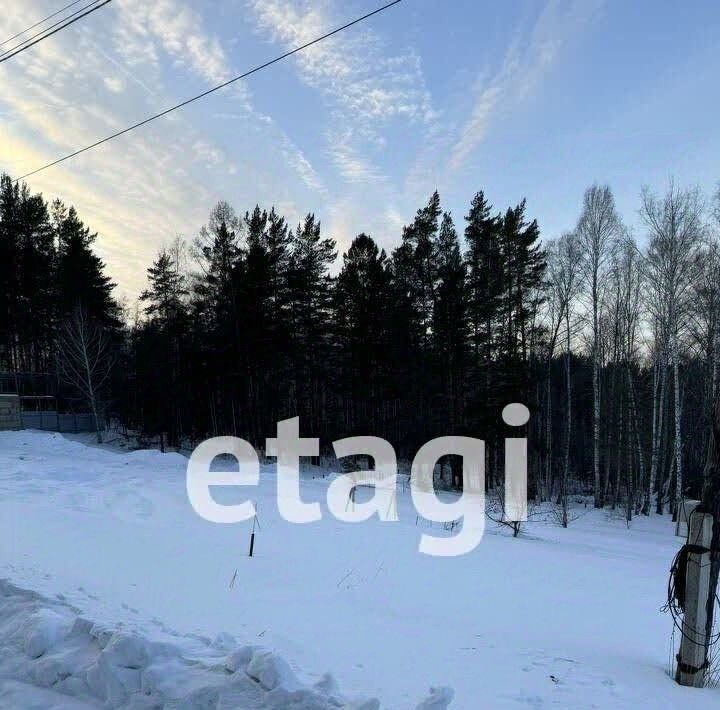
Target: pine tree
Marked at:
524, 267
421, 238
484, 267
9, 273
523, 286
406, 352
37, 293
27, 256
450, 325
361, 300
309, 286
160, 348
217, 250
485, 309
81, 280
166, 290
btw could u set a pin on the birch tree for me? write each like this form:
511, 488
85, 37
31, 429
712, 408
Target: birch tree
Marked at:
554, 315
704, 320
659, 359
674, 223
565, 282
85, 360
598, 228
626, 279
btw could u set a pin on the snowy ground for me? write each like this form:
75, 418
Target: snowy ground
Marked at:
113, 584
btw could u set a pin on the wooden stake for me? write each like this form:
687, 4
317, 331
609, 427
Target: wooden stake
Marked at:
693, 644
252, 537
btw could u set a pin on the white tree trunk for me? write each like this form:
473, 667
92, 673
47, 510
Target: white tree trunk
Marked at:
568, 385
715, 360
596, 427
678, 433
653, 449
638, 443
596, 397
548, 437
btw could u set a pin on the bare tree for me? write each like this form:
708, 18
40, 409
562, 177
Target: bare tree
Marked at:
625, 311
85, 360
598, 229
675, 233
553, 316
704, 316
659, 358
565, 283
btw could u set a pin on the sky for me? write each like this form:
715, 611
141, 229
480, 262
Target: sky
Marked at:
524, 98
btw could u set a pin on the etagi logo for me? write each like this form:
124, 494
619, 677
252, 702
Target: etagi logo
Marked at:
288, 448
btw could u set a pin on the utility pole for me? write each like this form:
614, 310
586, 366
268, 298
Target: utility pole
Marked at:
702, 569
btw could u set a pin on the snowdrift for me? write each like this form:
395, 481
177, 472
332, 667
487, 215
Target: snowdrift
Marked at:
51, 657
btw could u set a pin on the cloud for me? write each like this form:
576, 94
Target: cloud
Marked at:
364, 84
370, 92
175, 28
162, 179
476, 127
114, 84
529, 58
352, 165
207, 153
373, 143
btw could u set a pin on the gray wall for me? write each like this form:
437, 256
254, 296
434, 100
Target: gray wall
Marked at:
52, 421
10, 412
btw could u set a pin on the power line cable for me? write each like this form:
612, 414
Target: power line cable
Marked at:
45, 34
39, 22
47, 29
254, 70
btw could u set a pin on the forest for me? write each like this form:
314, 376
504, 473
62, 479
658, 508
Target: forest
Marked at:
612, 339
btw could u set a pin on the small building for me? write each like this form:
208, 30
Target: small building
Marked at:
10, 413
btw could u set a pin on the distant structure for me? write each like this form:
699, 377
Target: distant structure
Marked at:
30, 400
27, 383
10, 414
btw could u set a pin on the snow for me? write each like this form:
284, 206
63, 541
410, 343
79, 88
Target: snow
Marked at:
118, 595
53, 658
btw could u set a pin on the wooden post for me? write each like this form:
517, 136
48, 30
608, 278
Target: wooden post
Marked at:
693, 645
252, 536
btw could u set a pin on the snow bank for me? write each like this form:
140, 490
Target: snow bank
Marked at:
52, 658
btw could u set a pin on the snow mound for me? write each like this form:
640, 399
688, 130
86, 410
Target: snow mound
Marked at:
52, 658
438, 699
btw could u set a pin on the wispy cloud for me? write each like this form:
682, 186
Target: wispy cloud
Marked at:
364, 83
350, 162
528, 60
176, 29
358, 138
114, 84
162, 179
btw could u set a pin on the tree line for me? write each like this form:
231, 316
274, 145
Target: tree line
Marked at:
612, 345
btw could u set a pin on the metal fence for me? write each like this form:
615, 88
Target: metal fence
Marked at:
53, 421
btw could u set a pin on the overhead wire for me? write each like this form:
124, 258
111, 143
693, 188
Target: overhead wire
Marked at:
39, 22
44, 34
212, 90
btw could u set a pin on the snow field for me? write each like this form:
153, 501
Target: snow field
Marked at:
554, 618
